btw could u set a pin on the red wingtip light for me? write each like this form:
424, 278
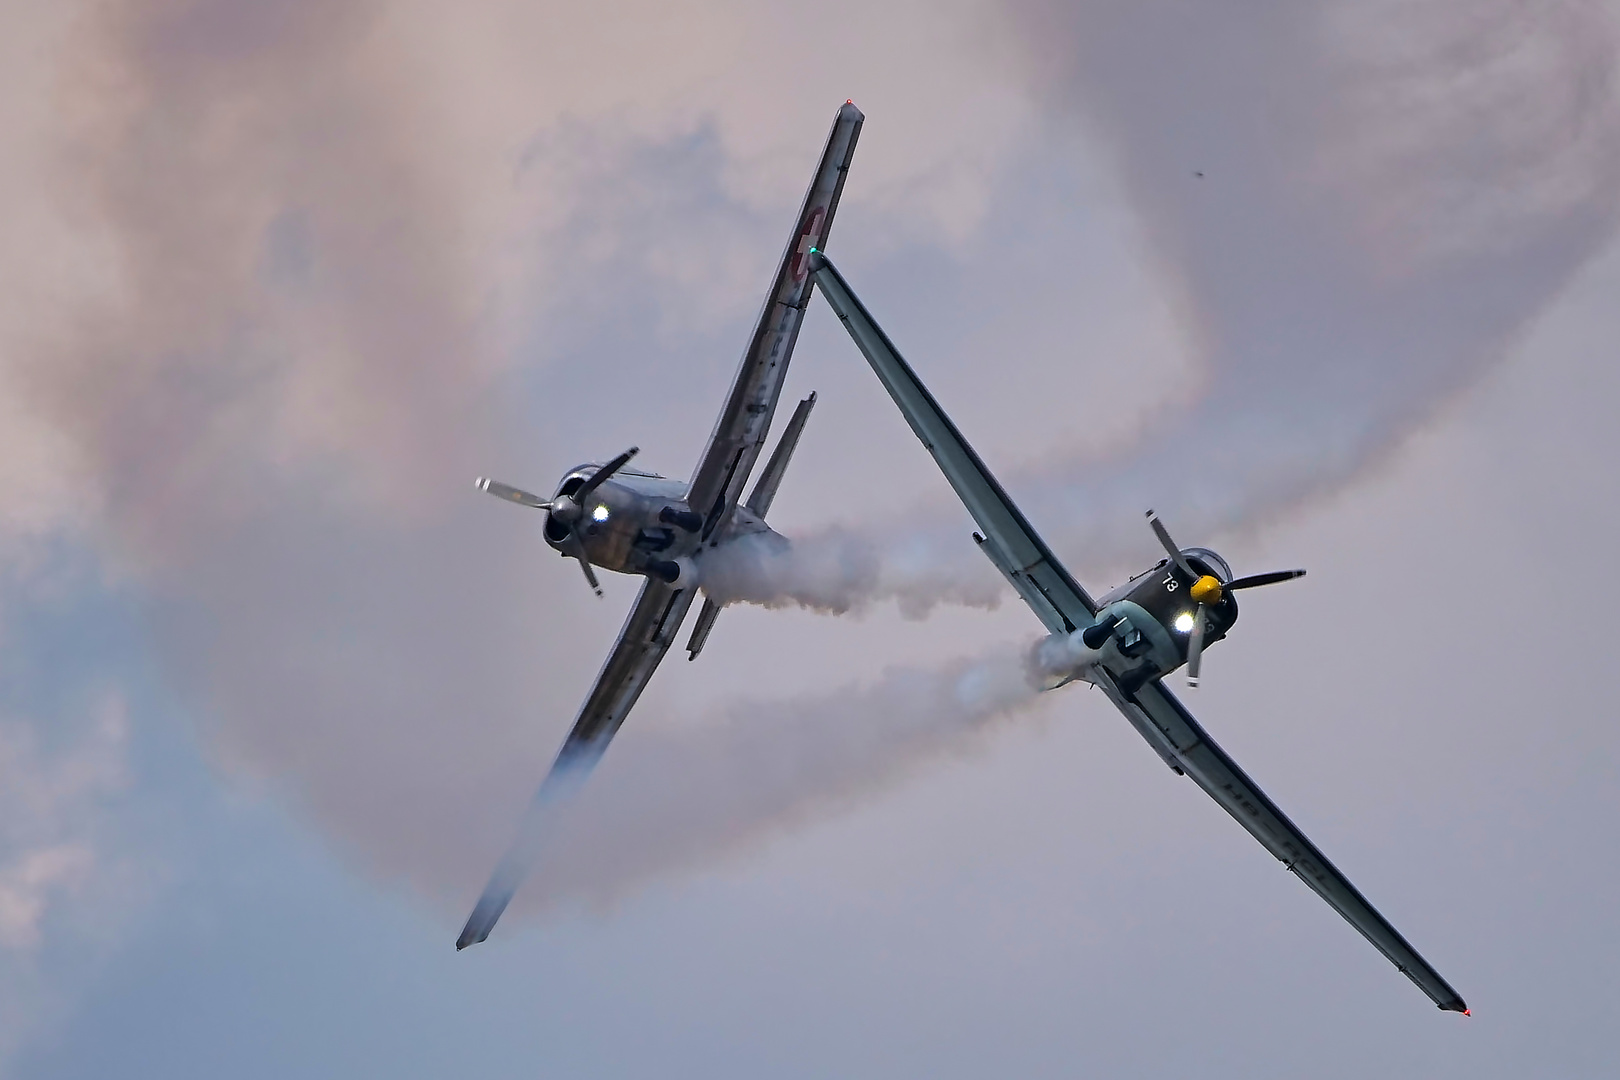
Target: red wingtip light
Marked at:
849, 101
1468, 1012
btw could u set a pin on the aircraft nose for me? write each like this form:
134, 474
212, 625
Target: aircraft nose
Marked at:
1206, 590
565, 510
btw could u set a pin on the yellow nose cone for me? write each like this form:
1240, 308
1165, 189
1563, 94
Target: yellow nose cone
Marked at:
1206, 590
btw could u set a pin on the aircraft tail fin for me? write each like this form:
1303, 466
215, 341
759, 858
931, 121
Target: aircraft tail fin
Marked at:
759, 501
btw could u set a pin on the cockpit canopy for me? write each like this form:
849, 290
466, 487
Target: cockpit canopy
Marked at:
574, 480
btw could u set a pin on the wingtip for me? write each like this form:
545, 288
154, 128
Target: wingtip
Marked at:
474, 932
482, 483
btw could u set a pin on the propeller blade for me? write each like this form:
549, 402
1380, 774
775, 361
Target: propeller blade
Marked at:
1256, 580
574, 548
603, 473
510, 493
1195, 647
1170, 545
590, 575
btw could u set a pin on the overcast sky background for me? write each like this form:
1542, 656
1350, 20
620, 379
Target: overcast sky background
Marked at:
280, 279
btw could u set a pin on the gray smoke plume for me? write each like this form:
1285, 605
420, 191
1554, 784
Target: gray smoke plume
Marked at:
1357, 210
1390, 194
267, 382
267, 370
670, 800
840, 570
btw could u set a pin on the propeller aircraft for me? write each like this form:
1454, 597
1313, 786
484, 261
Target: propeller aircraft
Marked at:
1129, 640
612, 517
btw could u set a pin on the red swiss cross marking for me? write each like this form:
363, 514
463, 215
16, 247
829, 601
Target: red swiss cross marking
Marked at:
807, 240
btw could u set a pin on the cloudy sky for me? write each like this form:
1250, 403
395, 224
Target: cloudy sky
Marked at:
1327, 284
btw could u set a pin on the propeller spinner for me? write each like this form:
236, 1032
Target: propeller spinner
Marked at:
1207, 591
565, 510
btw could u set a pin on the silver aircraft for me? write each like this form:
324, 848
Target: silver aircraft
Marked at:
613, 517
1129, 640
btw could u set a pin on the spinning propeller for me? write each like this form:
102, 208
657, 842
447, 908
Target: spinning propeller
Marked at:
565, 510
1207, 591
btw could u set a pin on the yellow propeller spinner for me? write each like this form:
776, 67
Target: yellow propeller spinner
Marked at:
1206, 590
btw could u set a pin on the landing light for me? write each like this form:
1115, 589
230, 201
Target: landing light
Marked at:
600, 513
1185, 622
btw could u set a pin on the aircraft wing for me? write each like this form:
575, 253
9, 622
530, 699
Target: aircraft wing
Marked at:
745, 420
1211, 769
1008, 538
645, 638
1062, 605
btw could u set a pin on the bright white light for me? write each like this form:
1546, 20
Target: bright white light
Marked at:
600, 513
1184, 622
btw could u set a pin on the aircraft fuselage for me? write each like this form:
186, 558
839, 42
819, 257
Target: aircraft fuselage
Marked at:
637, 523
1143, 628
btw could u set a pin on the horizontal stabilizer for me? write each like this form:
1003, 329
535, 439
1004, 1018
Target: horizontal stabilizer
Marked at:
764, 492
759, 502
701, 628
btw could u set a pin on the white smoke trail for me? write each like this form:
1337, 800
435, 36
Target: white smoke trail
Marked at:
667, 800
279, 370
840, 570
1350, 256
